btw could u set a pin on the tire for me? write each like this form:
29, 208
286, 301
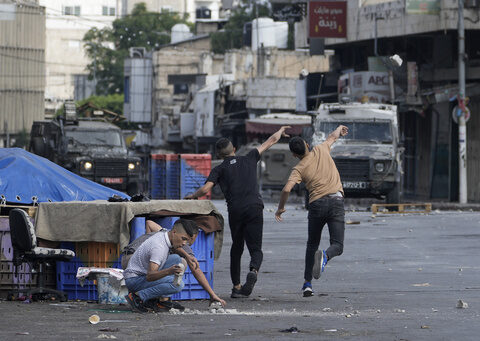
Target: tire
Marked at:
393, 197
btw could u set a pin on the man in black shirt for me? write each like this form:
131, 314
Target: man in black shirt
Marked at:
237, 177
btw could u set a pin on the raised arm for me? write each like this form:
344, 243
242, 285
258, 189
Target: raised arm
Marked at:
273, 139
335, 135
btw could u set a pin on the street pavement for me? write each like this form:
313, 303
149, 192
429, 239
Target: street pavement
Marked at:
400, 278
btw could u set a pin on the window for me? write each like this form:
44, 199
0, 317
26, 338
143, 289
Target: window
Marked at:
180, 89
108, 11
72, 10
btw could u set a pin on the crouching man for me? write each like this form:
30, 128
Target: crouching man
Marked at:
152, 270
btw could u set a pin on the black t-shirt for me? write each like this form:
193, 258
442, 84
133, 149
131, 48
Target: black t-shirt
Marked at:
237, 177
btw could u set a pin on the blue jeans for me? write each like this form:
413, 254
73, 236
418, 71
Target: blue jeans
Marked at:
162, 287
330, 211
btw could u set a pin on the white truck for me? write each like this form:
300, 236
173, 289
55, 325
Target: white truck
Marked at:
369, 157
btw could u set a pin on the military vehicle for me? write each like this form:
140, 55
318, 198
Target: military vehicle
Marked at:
369, 157
93, 149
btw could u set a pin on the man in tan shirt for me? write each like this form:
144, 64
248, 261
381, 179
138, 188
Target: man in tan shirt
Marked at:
318, 171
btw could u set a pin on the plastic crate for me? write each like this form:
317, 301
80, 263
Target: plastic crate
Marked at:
158, 176
203, 249
194, 171
137, 228
89, 254
172, 178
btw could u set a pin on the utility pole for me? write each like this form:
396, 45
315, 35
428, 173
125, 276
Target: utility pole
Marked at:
462, 128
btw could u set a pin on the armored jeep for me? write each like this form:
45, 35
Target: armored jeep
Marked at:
92, 149
369, 157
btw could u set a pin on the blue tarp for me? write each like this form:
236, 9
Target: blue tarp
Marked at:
24, 175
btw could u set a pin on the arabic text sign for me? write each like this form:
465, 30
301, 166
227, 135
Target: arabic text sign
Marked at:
328, 19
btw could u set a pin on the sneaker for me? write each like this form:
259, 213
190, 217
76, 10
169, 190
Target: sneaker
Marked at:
319, 264
307, 289
136, 303
247, 288
238, 293
171, 305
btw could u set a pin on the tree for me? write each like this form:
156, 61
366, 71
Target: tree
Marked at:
231, 37
108, 47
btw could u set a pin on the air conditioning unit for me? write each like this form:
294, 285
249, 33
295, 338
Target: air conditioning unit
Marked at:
137, 52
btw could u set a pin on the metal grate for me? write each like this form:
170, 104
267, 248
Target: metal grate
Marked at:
353, 169
110, 168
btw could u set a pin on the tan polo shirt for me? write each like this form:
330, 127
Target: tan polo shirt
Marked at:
318, 172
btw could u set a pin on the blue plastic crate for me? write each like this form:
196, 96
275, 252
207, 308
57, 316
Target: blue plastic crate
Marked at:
194, 170
203, 249
67, 276
158, 177
172, 179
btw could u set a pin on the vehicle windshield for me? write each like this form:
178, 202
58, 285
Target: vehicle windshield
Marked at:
369, 131
91, 137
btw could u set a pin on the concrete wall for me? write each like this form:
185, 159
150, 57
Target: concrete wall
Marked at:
361, 20
22, 68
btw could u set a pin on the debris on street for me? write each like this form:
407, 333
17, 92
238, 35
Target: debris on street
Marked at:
462, 304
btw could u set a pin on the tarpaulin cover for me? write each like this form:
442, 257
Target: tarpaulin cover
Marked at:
24, 175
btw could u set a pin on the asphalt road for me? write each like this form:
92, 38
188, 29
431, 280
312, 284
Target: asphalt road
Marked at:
399, 278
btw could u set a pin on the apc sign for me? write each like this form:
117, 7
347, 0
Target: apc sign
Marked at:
357, 85
327, 19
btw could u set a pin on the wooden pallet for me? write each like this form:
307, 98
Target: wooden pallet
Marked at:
5, 209
401, 208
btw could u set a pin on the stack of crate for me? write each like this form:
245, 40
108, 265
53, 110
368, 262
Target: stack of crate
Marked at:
176, 175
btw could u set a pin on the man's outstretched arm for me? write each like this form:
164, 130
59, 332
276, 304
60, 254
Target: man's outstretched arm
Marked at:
335, 135
273, 139
201, 191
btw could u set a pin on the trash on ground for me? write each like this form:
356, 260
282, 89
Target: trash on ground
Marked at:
462, 304
348, 315
94, 319
399, 310
327, 309
105, 336
352, 222
421, 285
111, 330
292, 330
23, 333
425, 327
330, 330
434, 310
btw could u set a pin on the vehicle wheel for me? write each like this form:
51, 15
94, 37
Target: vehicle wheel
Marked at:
393, 197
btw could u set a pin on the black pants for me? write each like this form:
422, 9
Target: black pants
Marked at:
246, 226
329, 210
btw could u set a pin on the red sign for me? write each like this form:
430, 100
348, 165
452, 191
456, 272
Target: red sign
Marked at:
328, 19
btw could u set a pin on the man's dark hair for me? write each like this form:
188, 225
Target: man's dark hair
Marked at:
189, 226
297, 145
223, 147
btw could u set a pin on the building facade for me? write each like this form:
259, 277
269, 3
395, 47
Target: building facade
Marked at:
195, 9
67, 21
22, 68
